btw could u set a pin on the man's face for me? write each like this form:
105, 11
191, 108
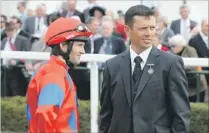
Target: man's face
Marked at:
2, 25
98, 14
71, 4
94, 26
142, 31
184, 12
205, 28
107, 29
17, 25
41, 11
20, 8
10, 33
76, 52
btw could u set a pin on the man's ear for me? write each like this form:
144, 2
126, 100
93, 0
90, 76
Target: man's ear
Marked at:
127, 30
63, 47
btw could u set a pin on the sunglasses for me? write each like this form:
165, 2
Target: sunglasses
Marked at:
80, 28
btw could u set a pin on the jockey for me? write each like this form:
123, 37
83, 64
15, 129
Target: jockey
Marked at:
51, 94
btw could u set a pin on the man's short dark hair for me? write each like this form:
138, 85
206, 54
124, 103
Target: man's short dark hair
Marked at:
10, 26
22, 4
138, 10
5, 18
18, 19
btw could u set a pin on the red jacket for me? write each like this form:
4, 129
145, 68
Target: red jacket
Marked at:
51, 100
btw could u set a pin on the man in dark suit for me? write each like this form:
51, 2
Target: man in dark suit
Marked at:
72, 11
184, 25
154, 99
2, 26
200, 43
18, 24
108, 44
13, 80
36, 25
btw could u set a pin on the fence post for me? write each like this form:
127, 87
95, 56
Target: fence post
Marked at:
94, 75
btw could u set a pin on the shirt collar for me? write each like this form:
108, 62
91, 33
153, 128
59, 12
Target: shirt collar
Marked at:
144, 55
56, 60
18, 31
204, 37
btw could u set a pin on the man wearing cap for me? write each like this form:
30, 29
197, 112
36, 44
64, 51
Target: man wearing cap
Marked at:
51, 97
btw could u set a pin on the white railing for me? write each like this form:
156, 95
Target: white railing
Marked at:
92, 59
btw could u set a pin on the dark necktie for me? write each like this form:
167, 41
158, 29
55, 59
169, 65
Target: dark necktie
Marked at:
137, 69
38, 26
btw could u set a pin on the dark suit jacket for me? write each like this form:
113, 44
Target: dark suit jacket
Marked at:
168, 33
3, 35
200, 46
21, 33
30, 24
176, 26
161, 104
118, 45
76, 13
21, 43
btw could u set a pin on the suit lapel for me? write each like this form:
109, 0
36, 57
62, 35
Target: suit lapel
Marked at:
179, 26
33, 22
113, 46
17, 43
99, 44
152, 59
125, 70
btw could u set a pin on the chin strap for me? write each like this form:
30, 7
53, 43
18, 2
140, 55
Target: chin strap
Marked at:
65, 55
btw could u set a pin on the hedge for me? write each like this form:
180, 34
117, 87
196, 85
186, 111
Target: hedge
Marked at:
13, 116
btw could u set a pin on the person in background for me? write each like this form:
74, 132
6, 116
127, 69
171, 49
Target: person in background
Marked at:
13, 69
180, 47
93, 25
163, 31
23, 13
30, 13
2, 26
72, 11
91, 3
120, 25
201, 44
156, 42
98, 12
38, 46
108, 44
184, 25
18, 26
37, 24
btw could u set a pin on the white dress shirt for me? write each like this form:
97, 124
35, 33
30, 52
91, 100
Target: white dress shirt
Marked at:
187, 21
144, 56
185, 28
39, 32
204, 38
7, 47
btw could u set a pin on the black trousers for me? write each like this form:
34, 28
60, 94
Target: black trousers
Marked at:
193, 98
13, 81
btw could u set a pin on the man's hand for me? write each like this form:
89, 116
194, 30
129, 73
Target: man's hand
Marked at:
36, 66
13, 62
29, 66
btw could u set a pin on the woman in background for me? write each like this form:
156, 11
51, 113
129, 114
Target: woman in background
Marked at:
180, 47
